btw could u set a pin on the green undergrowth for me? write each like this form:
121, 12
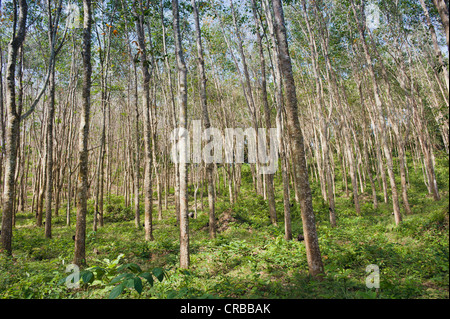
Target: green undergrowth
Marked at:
249, 258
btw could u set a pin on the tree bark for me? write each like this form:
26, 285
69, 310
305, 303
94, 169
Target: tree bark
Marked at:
183, 171
203, 97
174, 115
279, 121
83, 155
148, 192
2, 127
313, 255
268, 177
53, 26
49, 157
12, 127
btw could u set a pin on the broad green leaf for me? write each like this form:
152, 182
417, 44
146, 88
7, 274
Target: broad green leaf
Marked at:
147, 276
120, 268
138, 284
87, 276
116, 291
134, 268
99, 271
159, 273
129, 283
119, 278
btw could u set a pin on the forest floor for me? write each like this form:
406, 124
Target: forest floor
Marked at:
249, 258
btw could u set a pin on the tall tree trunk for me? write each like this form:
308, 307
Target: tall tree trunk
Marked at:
183, 169
313, 255
83, 155
206, 121
53, 26
13, 122
19, 154
49, 157
104, 57
148, 192
101, 171
174, 114
2, 128
268, 177
137, 162
279, 121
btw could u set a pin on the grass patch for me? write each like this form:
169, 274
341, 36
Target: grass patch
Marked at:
249, 258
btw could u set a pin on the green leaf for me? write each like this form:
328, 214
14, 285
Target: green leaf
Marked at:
159, 273
119, 278
116, 291
87, 276
129, 283
98, 271
134, 268
147, 276
138, 284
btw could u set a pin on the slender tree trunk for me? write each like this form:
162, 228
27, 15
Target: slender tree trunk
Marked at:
101, 171
69, 195
298, 153
268, 177
206, 121
279, 121
49, 157
183, 169
53, 26
97, 191
83, 155
105, 64
148, 193
20, 143
12, 127
174, 116
137, 163
42, 183
366, 153
2, 128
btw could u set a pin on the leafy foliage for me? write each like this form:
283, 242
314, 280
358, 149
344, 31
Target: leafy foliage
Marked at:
248, 259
